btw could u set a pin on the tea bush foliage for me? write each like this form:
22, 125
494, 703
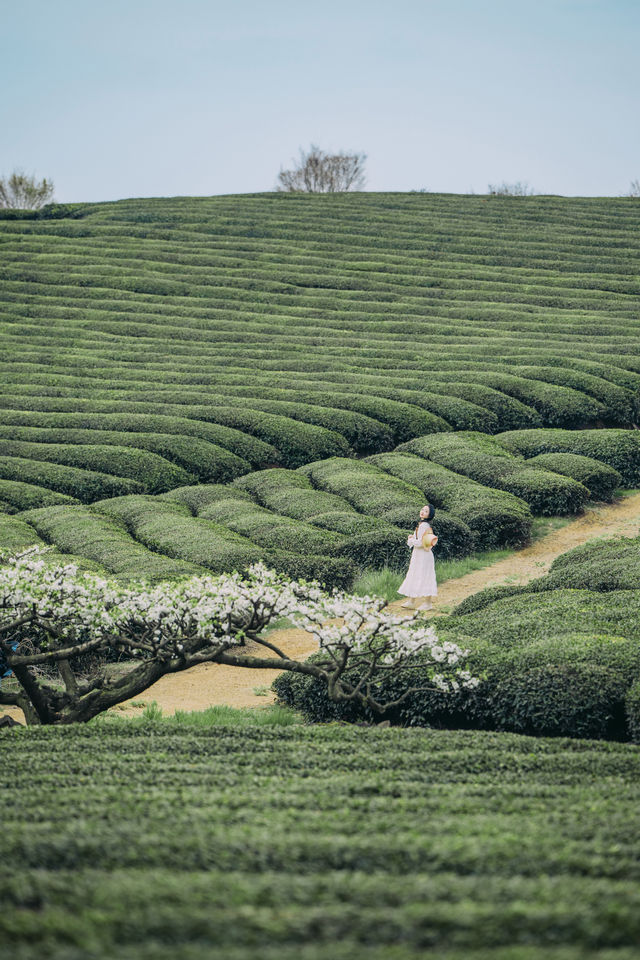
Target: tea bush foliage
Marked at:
469, 844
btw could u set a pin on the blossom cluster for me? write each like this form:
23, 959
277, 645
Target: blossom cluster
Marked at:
222, 611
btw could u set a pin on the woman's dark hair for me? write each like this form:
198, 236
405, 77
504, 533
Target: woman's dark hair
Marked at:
432, 512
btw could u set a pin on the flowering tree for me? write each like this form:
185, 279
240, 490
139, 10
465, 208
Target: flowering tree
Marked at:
53, 619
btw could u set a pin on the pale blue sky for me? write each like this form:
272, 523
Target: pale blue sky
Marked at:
132, 98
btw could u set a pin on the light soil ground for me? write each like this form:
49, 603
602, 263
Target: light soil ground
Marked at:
211, 684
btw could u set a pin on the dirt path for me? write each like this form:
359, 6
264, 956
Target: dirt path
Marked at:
212, 684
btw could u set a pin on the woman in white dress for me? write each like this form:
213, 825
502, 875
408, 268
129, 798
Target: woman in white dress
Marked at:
419, 585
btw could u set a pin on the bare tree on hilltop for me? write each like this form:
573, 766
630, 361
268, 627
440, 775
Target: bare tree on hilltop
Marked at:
518, 189
22, 192
634, 189
320, 172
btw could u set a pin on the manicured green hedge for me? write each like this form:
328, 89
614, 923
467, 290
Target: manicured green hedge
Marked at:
251, 449
522, 617
167, 528
569, 686
495, 517
268, 529
369, 489
204, 460
148, 469
558, 406
83, 485
196, 498
26, 496
16, 535
619, 449
331, 572
455, 539
290, 493
602, 565
384, 547
476, 456
567, 700
598, 565
597, 477
81, 531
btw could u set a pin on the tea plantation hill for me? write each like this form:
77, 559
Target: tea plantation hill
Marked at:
151, 346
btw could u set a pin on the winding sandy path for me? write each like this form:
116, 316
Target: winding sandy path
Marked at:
212, 684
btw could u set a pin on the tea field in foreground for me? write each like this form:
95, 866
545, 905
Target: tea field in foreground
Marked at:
156, 841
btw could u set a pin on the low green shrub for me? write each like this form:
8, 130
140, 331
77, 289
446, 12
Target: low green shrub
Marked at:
152, 471
495, 517
350, 523
291, 494
256, 452
511, 414
632, 706
484, 598
81, 531
26, 496
515, 620
368, 488
196, 498
296, 442
557, 405
83, 485
385, 547
619, 449
478, 457
601, 565
269, 529
455, 539
330, 571
206, 461
167, 528
564, 700
569, 686
600, 479
16, 535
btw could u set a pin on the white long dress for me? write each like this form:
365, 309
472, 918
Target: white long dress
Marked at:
420, 580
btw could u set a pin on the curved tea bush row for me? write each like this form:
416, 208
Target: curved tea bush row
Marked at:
245, 447
619, 449
168, 528
483, 460
16, 535
495, 518
600, 479
205, 461
267, 528
291, 494
84, 485
81, 531
153, 472
377, 494
601, 565
18, 496
365, 541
